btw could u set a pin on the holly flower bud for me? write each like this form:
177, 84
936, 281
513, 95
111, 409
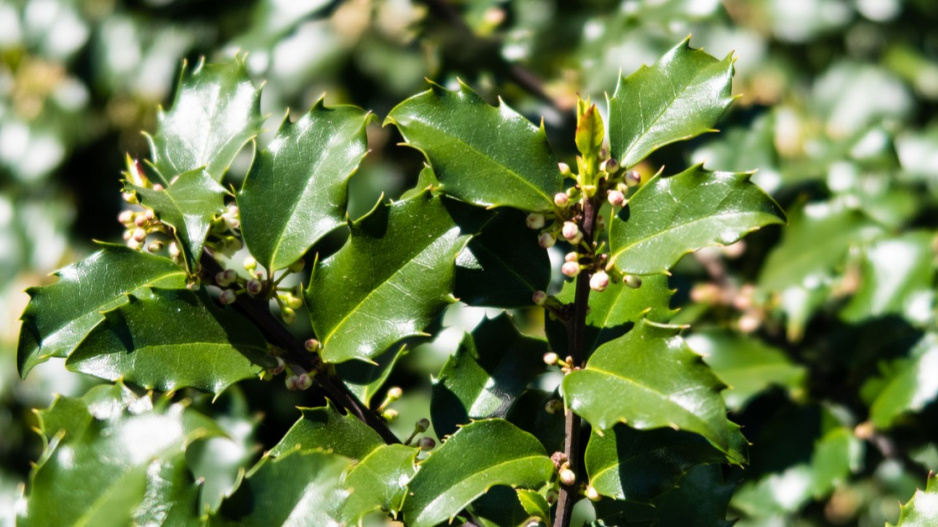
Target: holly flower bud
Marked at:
311, 345
250, 263
174, 252
278, 369
294, 302
539, 298
610, 166
546, 240
632, 281
227, 297
551, 358
615, 198
632, 178
570, 230
534, 221
599, 281
226, 278
570, 269
426, 444
422, 425
139, 235
126, 217
592, 494
561, 199
564, 169
288, 315
567, 477
254, 287
394, 393
154, 247
571, 256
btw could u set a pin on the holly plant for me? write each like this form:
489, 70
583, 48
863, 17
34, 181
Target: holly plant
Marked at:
580, 390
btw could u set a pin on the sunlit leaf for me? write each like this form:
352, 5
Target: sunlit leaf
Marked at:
326, 429
922, 509
378, 481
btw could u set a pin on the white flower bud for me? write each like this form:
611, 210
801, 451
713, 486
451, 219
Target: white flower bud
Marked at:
567, 477
570, 269
304, 381
311, 345
126, 217
395, 393
550, 358
592, 494
599, 281
561, 199
250, 263
140, 220
231, 221
610, 166
254, 287
139, 235
564, 169
154, 247
426, 443
158, 187
129, 197
546, 240
174, 250
571, 256
632, 281
539, 298
615, 198
226, 278
227, 297
632, 178
134, 244
534, 221
570, 230
278, 369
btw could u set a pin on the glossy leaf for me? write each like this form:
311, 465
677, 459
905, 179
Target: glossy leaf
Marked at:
747, 365
488, 156
298, 488
678, 98
477, 457
172, 496
906, 388
637, 465
503, 265
500, 506
305, 172
535, 504
365, 379
215, 113
188, 205
613, 312
99, 469
669, 217
922, 509
648, 378
489, 371
60, 315
389, 280
326, 429
378, 481
172, 339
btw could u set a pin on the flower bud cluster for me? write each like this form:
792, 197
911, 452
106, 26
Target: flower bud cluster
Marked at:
224, 234
254, 285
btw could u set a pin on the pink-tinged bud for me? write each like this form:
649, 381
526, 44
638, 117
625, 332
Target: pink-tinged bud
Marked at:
599, 281
288, 315
561, 199
134, 244
633, 178
534, 221
304, 381
749, 323
174, 250
616, 198
129, 197
127, 235
610, 166
551, 358
278, 369
426, 444
154, 247
311, 345
592, 494
567, 477
632, 281
290, 381
539, 298
422, 425
552, 496
139, 235
140, 220
571, 256
394, 393
126, 217
157, 187
564, 169
570, 269
570, 230
227, 297
231, 222
254, 287
546, 240
226, 278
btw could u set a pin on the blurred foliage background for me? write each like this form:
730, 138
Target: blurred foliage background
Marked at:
825, 329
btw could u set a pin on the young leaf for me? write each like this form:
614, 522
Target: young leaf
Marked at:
364, 379
378, 481
486, 375
922, 509
171, 339
648, 378
326, 429
680, 97
477, 457
305, 172
390, 279
215, 113
485, 155
60, 315
188, 205
671, 216
907, 388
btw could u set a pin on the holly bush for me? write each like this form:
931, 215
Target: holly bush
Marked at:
569, 313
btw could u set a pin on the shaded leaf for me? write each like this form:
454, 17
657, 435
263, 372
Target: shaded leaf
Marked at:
305, 172
326, 429
489, 371
378, 481
60, 315
172, 339
477, 457
529, 413
365, 379
906, 387
389, 280
669, 217
648, 378
489, 156
499, 507
922, 509
680, 97
215, 113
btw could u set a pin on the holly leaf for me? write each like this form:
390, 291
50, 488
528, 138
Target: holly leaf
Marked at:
60, 315
188, 205
678, 98
922, 509
365, 379
647, 379
474, 459
637, 465
904, 388
669, 217
613, 312
485, 155
215, 113
390, 279
326, 429
489, 275
305, 171
489, 371
378, 481
171, 339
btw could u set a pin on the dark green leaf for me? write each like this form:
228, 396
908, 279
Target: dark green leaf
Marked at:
365, 379
503, 265
530, 414
60, 315
650, 379
389, 281
535, 504
215, 113
326, 429
188, 205
907, 387
500, 507
305, 172
172, 339
922, 509
669, 217
481, 154
680, 97
378, 481
172, 496
477, 457
486, 375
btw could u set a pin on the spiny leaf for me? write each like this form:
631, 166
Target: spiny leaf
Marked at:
172, 339
922, 509
326, 429
60, 315
215, 113
389, 280
477, 457
648, 378
305, 172
481, 154
680, 97
378, 481
669, 217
